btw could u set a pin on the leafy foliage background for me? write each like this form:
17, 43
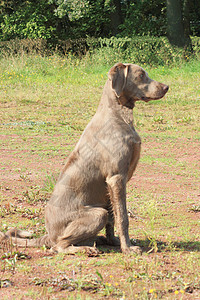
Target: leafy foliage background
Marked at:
64, 19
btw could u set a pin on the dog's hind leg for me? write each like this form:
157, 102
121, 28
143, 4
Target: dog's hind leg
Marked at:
89, 222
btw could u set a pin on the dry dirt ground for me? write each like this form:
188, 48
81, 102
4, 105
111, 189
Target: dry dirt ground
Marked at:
164, 209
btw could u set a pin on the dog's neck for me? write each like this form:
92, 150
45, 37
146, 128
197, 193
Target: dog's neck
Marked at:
118, 104
126, 114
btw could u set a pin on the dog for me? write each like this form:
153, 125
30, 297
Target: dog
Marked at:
90, 193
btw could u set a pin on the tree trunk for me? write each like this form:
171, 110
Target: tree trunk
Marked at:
186, 23
175, 29
115, 16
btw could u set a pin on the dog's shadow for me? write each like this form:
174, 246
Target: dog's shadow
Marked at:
157, 246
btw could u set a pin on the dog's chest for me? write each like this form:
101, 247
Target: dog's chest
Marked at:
134, 153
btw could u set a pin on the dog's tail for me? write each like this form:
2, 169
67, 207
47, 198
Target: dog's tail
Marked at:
21, 238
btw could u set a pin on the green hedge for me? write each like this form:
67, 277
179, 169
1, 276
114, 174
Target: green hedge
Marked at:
143, 50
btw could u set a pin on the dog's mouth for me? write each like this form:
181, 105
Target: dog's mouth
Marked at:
160, 96
131, 101
149, 99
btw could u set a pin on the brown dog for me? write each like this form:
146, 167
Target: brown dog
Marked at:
91, 191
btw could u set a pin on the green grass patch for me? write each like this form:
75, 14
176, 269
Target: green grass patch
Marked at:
46, 102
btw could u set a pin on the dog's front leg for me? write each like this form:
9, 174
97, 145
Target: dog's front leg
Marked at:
110, 236
117, 192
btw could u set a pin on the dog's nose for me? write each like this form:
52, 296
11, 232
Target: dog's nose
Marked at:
165, 88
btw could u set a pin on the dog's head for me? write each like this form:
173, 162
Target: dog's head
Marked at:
131, 83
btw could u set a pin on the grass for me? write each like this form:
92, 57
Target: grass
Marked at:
46, 102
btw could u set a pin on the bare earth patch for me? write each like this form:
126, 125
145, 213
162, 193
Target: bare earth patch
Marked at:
161, 195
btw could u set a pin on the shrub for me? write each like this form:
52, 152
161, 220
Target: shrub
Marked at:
30, 20
141, 50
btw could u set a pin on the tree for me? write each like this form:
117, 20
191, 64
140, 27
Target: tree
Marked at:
56, 20
178, 24
186, 23
85, 17
145, 17
115, 16
26, 19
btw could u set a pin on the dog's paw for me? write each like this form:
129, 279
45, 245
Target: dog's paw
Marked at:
132, 249
53, 250
136, 250
89, 251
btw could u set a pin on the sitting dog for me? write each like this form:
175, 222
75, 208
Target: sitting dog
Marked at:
90, 193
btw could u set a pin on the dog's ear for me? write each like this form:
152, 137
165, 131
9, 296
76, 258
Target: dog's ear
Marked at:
118, 75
